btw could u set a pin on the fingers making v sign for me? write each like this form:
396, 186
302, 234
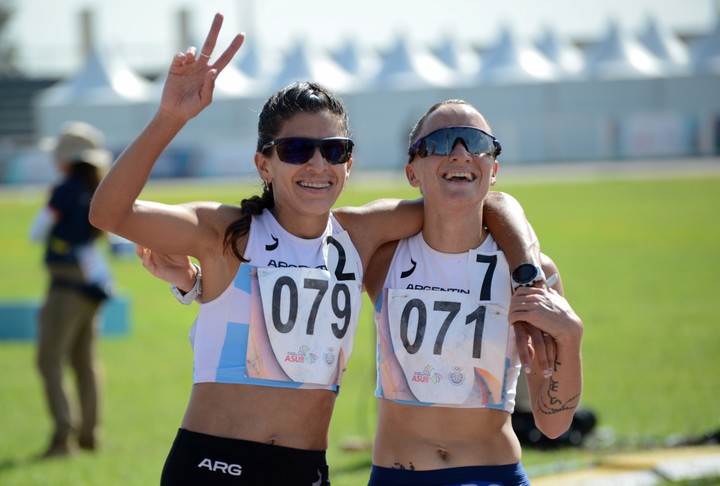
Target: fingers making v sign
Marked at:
191, 78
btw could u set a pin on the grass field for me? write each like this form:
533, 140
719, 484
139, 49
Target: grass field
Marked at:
638, 259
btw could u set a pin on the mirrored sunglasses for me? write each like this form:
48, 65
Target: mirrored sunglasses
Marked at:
298, 150
442, 142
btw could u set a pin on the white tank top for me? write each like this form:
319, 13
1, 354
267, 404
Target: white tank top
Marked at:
290, 315
443, 332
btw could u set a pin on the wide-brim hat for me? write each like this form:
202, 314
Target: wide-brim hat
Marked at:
82, 142
99, 157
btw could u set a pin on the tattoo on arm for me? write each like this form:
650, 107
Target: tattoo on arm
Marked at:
550, 404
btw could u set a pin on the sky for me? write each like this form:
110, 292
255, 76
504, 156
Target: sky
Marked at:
144, 33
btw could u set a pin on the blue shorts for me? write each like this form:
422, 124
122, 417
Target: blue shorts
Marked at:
510, 475
197, 459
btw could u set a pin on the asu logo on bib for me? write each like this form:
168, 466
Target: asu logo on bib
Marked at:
302, 356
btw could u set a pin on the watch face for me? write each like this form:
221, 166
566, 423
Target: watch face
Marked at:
525, 273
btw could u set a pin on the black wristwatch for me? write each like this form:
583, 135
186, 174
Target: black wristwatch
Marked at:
526, 275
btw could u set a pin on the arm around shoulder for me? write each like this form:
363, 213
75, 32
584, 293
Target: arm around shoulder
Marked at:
378, 222
505, 218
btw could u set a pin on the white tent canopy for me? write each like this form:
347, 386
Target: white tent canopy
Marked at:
670, 51
304, 63
513, 60
706, 51
255, 62
568, 59
232, 82
410, 66
620, 56
361, 62
104, 92
100, 80
459, 56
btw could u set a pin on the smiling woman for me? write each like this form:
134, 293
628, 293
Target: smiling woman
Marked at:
448, 360
238, 439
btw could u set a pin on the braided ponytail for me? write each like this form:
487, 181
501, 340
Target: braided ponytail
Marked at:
249, 207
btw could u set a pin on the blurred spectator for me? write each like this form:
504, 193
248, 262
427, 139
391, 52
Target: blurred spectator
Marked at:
79, 282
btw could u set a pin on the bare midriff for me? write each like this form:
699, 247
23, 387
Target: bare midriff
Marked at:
288, 417
427, 438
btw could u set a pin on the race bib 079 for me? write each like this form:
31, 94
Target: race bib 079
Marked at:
303, 326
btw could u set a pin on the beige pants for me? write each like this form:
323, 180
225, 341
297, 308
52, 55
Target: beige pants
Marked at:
67, 336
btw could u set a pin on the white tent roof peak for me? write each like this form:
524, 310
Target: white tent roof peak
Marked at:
619, 55
234, 83
102, 79
305, 63
411, 65
360, 61
458, 55
567, 57
664, 44
515, 60
254, 62
706, 50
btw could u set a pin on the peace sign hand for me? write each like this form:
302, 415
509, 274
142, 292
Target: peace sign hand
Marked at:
191, 81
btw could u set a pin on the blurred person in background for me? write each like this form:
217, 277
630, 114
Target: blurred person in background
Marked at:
80, 281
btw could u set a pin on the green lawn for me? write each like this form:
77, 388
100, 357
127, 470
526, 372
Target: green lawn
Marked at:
638, 259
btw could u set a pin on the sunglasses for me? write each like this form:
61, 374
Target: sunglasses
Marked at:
442, 142
298, 150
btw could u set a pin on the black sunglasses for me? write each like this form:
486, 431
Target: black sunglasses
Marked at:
442, 142
298, 150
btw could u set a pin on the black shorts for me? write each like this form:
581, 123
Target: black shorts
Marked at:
201, 459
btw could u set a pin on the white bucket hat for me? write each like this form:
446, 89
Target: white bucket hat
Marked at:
82, 142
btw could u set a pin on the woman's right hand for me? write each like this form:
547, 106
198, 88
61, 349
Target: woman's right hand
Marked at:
191, 78
174, 269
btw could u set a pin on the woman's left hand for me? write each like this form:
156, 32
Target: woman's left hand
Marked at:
551, 321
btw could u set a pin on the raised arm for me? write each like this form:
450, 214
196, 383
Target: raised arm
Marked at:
116, 207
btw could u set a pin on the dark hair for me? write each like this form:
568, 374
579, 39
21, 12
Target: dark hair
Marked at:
89, 178
415, 132
298, 97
